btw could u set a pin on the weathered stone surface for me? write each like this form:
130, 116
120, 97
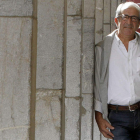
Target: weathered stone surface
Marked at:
48, 114
89, 8
74, 7
86, 121
16, 7
96, 132
114, 5
107, 11
19, 133
106, 29
50, 44
72, 118
88, 51
15, 54
99, 21
73, 57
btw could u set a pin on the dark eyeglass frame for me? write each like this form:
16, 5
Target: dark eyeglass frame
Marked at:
126, 17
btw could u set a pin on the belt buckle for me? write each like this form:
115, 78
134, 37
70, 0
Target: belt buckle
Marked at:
130, 109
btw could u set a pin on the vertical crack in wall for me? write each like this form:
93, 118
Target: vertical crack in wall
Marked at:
33, 71
64, 73
81, 67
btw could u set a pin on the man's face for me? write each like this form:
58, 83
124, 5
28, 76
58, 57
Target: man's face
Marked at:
128, 27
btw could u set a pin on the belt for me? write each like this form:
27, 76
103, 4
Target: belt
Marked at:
123, 108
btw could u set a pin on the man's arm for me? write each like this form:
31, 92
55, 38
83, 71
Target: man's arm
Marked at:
103, 125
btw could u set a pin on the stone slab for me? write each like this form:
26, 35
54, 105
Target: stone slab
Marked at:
50, 44
106, 29
114, 5
73, 57
15, 54
88, 56
74, 7
19, 133
86, 120
72, 111
99, 21
107, 13
48, 115
96, 132
16, 7
89, 8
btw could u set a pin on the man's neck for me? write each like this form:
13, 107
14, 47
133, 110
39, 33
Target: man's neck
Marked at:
125, 39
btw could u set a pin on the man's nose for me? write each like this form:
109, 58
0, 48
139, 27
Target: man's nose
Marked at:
129, 20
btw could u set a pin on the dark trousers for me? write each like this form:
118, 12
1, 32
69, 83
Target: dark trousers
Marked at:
126, 123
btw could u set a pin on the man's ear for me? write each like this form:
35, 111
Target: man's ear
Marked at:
116, 22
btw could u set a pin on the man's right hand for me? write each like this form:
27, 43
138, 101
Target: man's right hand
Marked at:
103, 125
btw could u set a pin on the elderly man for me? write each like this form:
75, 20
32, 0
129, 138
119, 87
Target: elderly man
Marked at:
117, 77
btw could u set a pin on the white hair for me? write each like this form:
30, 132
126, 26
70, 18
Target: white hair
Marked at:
126, 5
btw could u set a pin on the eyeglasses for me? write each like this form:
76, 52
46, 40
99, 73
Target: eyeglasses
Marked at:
126, 17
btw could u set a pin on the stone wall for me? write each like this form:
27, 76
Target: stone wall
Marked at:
47, 66
67, 33
15, 68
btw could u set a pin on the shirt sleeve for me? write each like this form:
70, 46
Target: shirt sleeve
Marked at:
97, 106
97, 100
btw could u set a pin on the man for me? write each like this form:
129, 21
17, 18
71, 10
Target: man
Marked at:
117, 77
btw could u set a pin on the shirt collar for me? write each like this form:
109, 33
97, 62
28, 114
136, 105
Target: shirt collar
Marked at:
133, 41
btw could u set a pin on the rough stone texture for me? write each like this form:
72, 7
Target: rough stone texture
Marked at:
16, 7
106, 29
50, 44
15, 54
73, 57
74, 7
88, 51
96, 132
89, 8
19, 133
86, 121
48, 114
107, 11
114, 5
72, 114
72, 118
99, 21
